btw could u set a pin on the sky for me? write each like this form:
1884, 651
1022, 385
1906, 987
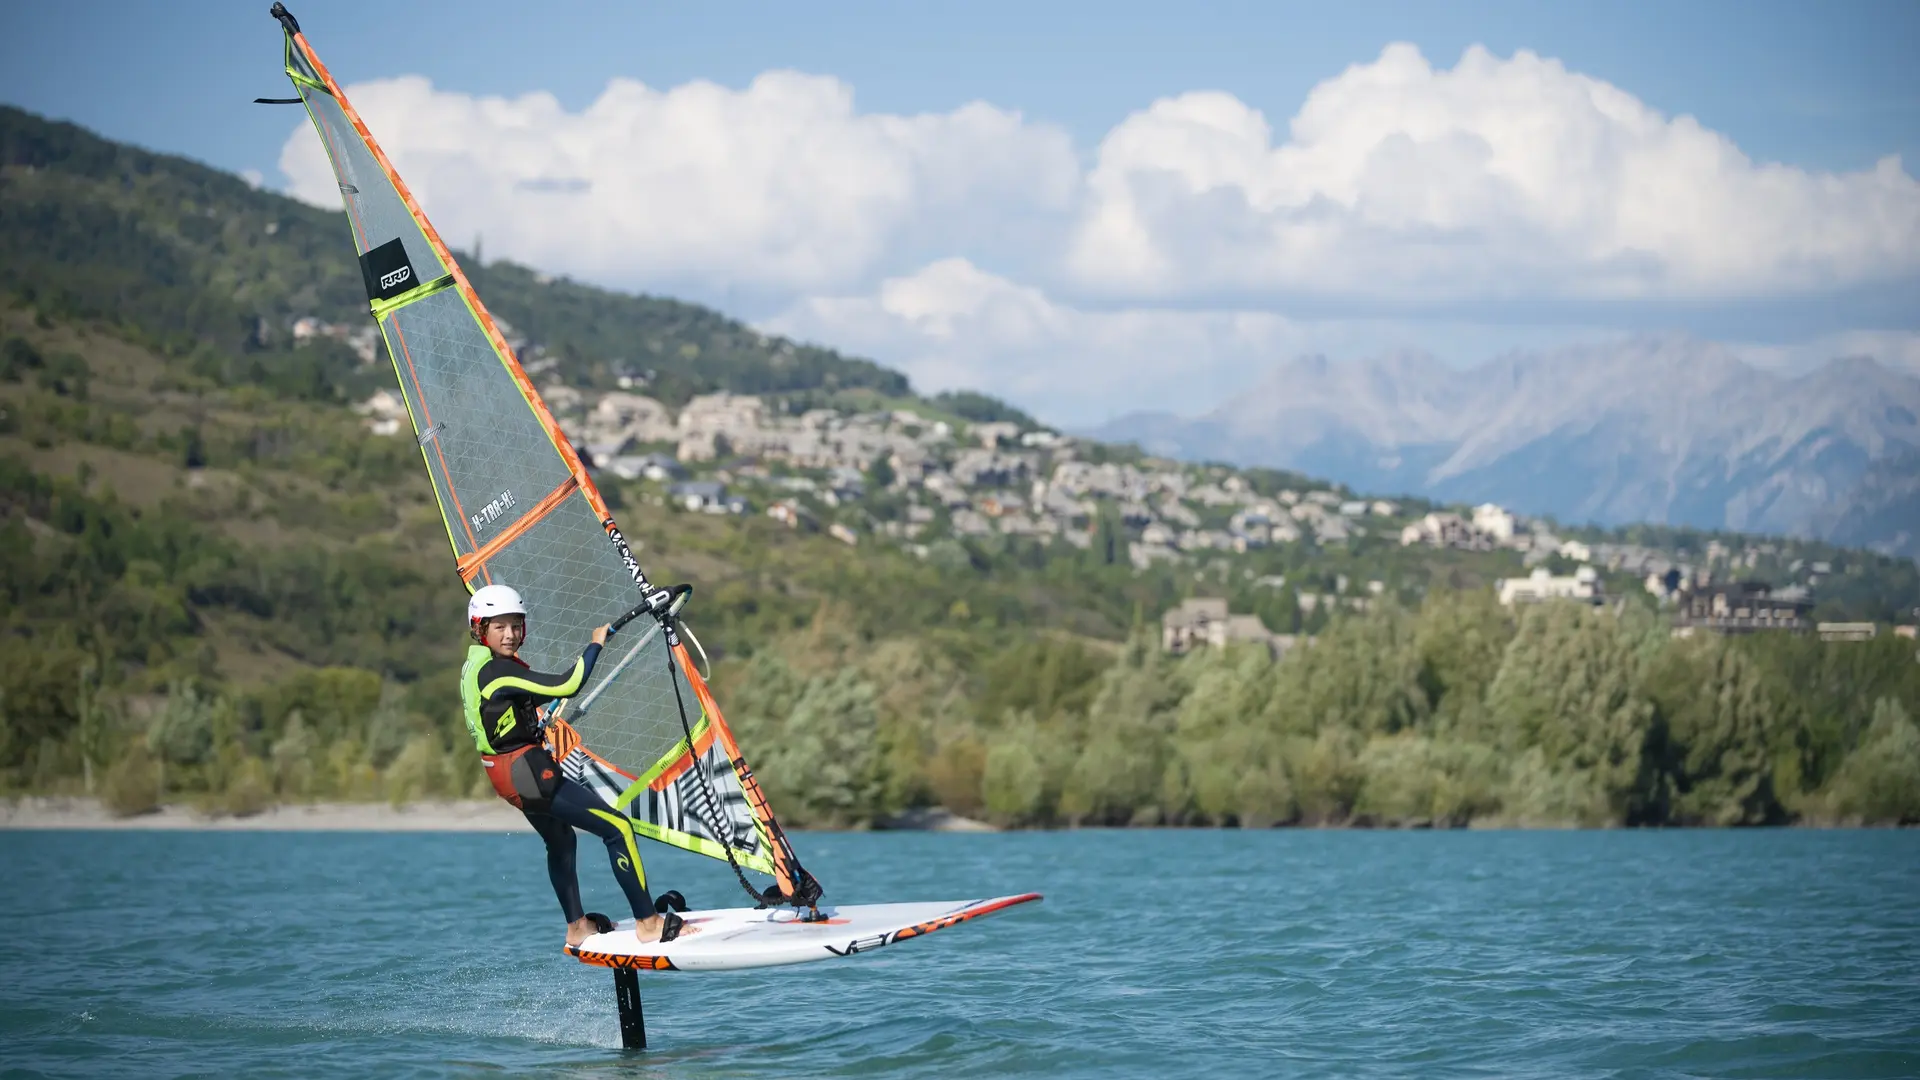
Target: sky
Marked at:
1096, 208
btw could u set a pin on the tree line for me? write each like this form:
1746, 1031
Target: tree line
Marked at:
890, 683
1455, 713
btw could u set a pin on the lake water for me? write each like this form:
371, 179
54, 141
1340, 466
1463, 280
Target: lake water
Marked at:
1156, 954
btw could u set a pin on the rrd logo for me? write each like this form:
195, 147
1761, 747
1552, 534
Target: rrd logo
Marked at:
388, 271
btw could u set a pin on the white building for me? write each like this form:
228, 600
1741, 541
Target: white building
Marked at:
1583, 586
384, 412
619, 418
1494, 521
1444, 530
710, 417
1144, 555
990, 434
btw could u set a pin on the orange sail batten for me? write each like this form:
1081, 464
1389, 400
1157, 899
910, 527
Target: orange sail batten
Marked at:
471, 565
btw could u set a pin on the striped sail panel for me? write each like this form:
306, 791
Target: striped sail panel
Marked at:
677, 809
521, 511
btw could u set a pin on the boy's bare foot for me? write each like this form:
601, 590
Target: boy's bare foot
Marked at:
648, 929
580, 930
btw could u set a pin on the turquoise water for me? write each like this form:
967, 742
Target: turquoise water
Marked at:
1156, 954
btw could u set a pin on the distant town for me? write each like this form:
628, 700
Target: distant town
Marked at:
952, 479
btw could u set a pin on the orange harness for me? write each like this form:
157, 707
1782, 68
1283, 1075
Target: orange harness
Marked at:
526, 777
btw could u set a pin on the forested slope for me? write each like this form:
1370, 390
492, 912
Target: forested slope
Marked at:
218, 587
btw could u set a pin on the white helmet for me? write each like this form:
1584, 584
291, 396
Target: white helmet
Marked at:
491, 600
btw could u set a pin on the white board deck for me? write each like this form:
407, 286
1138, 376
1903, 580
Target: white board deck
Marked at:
725, 939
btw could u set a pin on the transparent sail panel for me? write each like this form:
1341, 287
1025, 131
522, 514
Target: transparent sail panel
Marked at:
492, 460
572, 581
628, 717
374, 206
297, 64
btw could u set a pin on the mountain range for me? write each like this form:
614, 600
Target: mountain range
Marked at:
1666, 429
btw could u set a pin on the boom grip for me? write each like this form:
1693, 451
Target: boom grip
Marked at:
665, 603
614, 627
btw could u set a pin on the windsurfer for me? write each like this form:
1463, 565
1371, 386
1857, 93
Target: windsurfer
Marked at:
502, 698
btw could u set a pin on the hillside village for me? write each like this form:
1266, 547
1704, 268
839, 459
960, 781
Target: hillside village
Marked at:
907, 477
732, 453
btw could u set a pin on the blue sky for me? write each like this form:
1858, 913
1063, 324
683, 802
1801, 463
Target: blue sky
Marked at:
1824, 86
1073, 247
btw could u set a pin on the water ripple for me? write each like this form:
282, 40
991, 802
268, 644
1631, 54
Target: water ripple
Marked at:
1156, 954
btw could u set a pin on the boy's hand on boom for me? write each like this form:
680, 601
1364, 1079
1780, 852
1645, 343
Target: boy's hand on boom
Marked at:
600, 635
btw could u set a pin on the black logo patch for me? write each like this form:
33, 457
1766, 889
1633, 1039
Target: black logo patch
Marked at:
387, 270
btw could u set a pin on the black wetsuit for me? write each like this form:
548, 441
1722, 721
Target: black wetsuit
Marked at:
502, 698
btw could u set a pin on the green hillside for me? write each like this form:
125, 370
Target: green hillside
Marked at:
201, 266
219, 588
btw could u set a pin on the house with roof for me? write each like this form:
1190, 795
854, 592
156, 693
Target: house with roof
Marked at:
707, 497
1445, 530
1738, 607
1205, 621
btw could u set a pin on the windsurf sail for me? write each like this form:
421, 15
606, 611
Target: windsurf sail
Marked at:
520, 509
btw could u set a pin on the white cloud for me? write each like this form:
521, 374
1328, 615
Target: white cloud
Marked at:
1496, 179
1116, 282
781, 184
1895, 349
952, 325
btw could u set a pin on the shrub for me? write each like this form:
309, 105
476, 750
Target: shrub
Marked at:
249, 789
132, 785
418, 771
1879, 783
